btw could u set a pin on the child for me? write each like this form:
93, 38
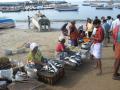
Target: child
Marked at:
60, 48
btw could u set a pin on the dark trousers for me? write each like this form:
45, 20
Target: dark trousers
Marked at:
89, 34
74, 42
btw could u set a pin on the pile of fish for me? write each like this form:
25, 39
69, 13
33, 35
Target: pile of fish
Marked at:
53, 66
76, 58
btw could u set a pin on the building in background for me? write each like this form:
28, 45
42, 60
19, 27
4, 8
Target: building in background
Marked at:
39, 1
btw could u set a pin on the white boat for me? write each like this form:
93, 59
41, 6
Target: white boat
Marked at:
7, 23
96, 5
67, 7
41, 22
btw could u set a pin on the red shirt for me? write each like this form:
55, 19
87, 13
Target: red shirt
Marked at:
99, 36
60, 47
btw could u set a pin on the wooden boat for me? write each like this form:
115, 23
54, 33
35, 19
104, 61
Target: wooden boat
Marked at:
7, 23
67, 7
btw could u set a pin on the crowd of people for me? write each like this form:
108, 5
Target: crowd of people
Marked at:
98, 30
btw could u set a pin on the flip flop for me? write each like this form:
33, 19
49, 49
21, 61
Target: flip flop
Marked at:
116, 78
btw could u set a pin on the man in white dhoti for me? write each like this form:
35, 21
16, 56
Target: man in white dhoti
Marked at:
96, 48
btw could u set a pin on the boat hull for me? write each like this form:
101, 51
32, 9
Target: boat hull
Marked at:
7, 23
104, 8
5, 11
67, 9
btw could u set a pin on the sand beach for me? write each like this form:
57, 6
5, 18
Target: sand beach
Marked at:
84, 78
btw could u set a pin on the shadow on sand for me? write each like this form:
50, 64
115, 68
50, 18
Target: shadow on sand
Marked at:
72, 77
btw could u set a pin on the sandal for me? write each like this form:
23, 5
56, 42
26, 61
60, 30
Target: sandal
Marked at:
116, 77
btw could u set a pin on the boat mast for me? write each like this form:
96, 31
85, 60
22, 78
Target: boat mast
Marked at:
110, 2
97, 1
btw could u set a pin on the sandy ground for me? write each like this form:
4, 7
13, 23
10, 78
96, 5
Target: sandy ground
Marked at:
84, 78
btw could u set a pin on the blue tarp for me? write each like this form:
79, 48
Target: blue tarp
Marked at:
6, 20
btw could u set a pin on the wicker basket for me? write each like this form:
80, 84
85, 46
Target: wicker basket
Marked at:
50, 78
4, 63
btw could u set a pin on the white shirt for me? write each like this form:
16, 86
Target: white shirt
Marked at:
94, 31
68, 27
114, 23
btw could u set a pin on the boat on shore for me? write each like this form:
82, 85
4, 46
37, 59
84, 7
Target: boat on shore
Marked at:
6, 23
10, 9
40, 22
5, 11
67, 7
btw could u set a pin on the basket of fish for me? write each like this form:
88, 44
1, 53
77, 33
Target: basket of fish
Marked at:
60, 66
51, 72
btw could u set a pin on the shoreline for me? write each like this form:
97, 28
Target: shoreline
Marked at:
54, 25
67, 20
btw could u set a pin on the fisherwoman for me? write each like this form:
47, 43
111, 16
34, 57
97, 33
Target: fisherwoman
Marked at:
35, 56
72, 33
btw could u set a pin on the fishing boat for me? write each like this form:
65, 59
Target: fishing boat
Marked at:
6, 23
105, 8
86, 4
108, 6
10, 9
67, 7
40, 22
97, 5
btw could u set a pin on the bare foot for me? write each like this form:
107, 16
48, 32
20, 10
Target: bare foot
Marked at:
98, 74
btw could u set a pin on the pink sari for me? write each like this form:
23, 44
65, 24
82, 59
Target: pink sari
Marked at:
115, 34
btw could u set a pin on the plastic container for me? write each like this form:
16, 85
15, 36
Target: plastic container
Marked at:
8, 52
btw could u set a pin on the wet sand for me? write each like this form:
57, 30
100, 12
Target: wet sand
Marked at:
84, 78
